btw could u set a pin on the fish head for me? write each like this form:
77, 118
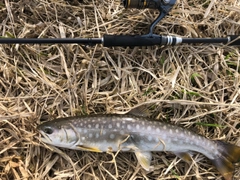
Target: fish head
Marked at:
61, 135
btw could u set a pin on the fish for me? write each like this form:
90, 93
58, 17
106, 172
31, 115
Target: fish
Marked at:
139, 134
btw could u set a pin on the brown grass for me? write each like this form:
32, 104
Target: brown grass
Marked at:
188, 83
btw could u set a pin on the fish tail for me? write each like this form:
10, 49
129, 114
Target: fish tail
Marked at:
229, 154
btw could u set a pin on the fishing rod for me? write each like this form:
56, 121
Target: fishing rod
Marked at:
150, 39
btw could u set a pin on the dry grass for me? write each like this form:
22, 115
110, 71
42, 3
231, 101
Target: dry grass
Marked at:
189, 83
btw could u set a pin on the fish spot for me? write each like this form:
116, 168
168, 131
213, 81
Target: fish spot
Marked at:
97, 126
129, 119
150, 138
129, 126
110, 126
163, 136
90, 135
164, 127
122, 132
137, 126
118, 124
89, 126
85, 131
170, 131
158, 130
177, 131
97, 135
83, 138
149, 128
104, 132
112, 136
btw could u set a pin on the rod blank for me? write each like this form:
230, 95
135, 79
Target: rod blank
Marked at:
86, 41
125, 40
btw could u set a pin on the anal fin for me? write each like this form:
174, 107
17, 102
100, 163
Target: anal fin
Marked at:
184, 156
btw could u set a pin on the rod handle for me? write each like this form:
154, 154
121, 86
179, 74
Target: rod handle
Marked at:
129, 40
235, 39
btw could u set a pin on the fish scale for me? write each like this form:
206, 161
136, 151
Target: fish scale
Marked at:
104, 133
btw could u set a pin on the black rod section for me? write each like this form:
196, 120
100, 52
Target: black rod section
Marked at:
231, 40
205, 40
87, 41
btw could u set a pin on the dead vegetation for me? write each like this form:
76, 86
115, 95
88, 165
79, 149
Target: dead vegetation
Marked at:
195, 86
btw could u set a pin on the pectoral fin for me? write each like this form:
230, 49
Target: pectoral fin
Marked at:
87, 148
184, 156
144, 158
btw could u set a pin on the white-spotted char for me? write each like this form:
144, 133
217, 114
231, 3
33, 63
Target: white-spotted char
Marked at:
101, 133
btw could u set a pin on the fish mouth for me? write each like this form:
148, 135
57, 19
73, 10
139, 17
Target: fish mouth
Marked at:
44, 138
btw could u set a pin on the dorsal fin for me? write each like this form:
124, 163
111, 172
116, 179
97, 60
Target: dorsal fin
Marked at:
141, 111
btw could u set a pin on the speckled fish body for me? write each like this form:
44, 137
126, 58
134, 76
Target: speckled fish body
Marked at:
101, 133
109, 132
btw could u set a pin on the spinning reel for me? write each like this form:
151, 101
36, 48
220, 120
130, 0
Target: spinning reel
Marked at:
164, 6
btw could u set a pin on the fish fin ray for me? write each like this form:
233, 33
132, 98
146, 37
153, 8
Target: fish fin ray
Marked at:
144, 158
141, 111
88, 148
224, 163
184, 156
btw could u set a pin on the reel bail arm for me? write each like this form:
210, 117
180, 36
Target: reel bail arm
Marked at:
164, 6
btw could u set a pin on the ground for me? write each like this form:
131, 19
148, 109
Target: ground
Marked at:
195, 86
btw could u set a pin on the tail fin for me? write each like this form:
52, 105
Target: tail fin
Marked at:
224, 163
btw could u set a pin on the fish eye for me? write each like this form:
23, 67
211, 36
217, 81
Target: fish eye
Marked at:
48, 130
